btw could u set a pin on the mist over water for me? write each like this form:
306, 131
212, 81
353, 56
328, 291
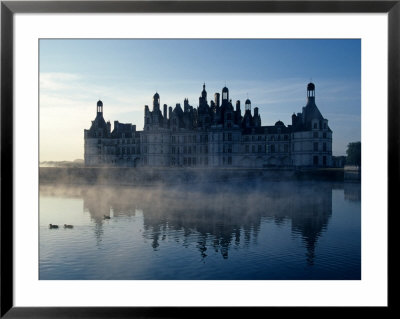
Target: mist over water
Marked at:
236, 230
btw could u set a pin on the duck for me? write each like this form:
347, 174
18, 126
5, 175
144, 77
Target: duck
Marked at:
51, 226
68, 226
107, 217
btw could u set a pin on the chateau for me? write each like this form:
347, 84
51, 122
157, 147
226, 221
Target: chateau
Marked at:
214, 134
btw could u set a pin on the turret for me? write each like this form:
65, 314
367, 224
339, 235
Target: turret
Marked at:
311, 92
204, 92
156, 102
247, 105
225, 95
99, 108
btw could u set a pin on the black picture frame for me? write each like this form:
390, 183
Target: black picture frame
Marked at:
9, 8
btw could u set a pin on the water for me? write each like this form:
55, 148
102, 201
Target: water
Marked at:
267, 231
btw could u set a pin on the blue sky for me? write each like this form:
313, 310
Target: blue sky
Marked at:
125, 74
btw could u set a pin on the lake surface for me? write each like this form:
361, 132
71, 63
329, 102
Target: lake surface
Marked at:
242, 230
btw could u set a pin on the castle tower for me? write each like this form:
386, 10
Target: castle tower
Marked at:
99, 108
225, 95
156, 102
204, 93
311, 91
247, 105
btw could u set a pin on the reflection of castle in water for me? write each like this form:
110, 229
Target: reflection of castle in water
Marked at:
219, 219
352, 191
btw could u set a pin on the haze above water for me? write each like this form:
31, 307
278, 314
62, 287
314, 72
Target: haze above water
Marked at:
270, 231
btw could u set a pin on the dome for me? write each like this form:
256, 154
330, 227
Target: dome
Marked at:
156, 96
247, 102
310, 86
99, 103
225, 89
279, 123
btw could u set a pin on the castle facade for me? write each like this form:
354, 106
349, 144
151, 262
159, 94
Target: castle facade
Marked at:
214, 134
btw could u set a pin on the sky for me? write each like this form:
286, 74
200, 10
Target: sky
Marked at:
125, 73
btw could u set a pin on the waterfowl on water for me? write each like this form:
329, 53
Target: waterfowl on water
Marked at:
106, 217
68, 226
53, 226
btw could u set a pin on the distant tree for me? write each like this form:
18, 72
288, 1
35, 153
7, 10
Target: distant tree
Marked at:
354, 154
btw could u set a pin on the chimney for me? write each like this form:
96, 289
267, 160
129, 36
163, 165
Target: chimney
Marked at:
216, 99
237, 105
255, 111
165, 111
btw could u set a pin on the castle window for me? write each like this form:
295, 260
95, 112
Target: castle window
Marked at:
315, 134
324, 147
253, 148
324, 160
324, 125
206, 138
285, 137
259, 148
253, 138
324, 135
229, 136
184, 150
206, 149
286, 146
229, 160
272, 148
315, 147
315, 125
